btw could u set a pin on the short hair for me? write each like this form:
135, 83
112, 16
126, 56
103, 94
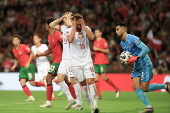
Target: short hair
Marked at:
36, 34
98, 29
16, 36
122, 24
78, 16
48, 20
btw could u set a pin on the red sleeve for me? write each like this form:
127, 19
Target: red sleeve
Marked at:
105, 44
59, 36
27, 49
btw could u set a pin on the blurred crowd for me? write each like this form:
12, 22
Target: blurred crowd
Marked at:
26, 17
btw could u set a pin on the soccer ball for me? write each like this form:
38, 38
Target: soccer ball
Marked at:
124, 56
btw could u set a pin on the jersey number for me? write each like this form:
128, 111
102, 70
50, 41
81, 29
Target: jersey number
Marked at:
82, 46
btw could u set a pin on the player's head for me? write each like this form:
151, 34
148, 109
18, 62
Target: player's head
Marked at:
77, 18
16, 40
36, 39
97, 33
48, 20
121, 28
65, 17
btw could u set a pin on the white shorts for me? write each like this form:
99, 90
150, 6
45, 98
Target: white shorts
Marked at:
65, 68
43, 70
83, 72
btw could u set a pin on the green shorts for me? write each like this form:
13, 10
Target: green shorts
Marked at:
103, 68
54, 69
27, 73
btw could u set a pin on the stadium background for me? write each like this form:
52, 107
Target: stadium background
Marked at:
147, 19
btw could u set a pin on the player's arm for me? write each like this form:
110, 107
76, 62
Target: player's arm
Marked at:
106, 50
29, 60
68, 19
45, 53
15, 65
70, 38
88, 32
144, 51
55, 23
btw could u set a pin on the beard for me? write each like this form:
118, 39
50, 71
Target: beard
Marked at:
119, 36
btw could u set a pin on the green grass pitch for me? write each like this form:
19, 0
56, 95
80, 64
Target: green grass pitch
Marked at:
13, 102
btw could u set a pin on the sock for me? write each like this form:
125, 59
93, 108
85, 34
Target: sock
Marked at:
142, 96
49, 92
39, 84
26, 90
93, 94
72, 91
153, 87
65, 89
98, 88
87, 96
78, 93
111, 83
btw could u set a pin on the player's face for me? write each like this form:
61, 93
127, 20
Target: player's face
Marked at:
16, 41
36, 39
78, 24
47, 27
119, 31
97, 33
64, 19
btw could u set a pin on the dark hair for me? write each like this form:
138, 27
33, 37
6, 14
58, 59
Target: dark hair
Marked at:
16, 36
37, 35
78, 16
122, 24
48, 20
98, 29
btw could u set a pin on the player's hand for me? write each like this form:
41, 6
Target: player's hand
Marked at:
12, 68
36, 56
82, 22
74, 24
27, 65
95, 48
132, 59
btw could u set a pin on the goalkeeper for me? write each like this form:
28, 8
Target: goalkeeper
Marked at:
142, 71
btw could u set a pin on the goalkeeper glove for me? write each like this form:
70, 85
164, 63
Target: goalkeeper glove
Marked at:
132, 59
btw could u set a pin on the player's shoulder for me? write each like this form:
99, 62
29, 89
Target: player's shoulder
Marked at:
44, 45
132, 37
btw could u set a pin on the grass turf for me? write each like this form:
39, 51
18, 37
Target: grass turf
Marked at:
13, 102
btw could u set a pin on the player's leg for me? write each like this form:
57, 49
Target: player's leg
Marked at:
78, 105
70, 86
90, 79
49, 78
23, 77
64, 87
61, 93
103, 71
140, 93
96, 69
31, 72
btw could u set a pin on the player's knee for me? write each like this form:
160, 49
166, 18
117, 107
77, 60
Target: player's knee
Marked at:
49, 79
135, 87
145, 89
104, 78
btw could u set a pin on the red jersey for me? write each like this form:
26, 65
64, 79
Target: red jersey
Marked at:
22, 54
100, 57
55, 46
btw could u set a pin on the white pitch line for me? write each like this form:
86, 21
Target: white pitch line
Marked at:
28, 102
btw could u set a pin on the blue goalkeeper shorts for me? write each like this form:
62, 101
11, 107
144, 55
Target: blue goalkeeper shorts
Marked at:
144, 72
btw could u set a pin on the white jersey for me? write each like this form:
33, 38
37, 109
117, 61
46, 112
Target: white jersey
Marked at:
79, 49
66, 44
37, 50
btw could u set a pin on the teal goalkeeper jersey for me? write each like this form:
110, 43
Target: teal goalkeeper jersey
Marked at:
131, 44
